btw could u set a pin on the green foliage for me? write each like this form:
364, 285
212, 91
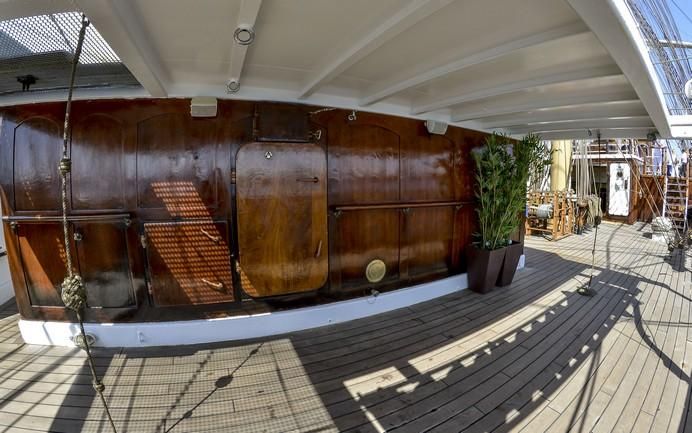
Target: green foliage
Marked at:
503, 171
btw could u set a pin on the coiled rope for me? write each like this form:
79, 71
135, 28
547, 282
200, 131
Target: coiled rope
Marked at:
73, 292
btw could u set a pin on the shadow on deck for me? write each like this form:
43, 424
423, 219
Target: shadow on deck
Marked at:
535, 356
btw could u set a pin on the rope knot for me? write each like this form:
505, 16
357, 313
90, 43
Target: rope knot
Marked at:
98, 386
73, 293
65, 166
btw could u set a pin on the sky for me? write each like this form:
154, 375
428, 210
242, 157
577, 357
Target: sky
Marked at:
682, 12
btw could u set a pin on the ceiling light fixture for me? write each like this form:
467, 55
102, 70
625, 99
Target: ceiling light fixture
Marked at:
233, 85
244, 35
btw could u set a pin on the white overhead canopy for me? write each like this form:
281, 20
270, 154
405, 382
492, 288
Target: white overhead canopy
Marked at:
515, 66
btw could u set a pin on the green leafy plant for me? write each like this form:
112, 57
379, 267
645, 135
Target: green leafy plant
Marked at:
503, 171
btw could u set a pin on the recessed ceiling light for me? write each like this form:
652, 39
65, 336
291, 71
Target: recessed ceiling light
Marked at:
233, 85
244, 35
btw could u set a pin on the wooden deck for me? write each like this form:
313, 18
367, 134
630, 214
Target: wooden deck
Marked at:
532, 357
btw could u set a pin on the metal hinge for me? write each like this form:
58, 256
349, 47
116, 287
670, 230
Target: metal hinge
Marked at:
232, 176
149, 287
143, 241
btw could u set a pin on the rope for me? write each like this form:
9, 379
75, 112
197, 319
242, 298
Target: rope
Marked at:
73, 293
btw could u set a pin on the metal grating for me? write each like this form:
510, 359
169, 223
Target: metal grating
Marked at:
42, 46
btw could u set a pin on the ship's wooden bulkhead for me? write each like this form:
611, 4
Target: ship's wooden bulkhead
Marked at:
174, 217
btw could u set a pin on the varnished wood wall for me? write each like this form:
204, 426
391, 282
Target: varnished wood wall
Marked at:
175, 217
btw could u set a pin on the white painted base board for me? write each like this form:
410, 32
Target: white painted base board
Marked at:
239, 327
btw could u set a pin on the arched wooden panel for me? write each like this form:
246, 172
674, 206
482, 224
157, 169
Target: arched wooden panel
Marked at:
427, 169
176, 162
282, 218
37, 152
363, 165
97, 163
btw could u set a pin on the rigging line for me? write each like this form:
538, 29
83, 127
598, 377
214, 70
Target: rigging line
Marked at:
73, 292
682, 11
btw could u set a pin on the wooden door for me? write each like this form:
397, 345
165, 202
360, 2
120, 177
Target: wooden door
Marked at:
104, 263
42, 252
282, 218
189, 262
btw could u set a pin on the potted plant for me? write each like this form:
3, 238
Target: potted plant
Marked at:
503, 171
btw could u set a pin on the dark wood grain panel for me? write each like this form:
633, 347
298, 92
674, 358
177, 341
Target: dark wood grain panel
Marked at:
429, 245
427, 169
42, 253
363, 164
176, 164
189, 263
363, 236
97, 147
106, 271
37, 152
150, 160
282, 218
281, 122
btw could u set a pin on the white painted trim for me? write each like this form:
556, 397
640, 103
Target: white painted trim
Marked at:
238, 327
121, 26
409, 79
405, 18
433, 103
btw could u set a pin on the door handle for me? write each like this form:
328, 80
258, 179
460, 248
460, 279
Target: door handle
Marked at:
308, 179
319, 249
215, 239
217, 286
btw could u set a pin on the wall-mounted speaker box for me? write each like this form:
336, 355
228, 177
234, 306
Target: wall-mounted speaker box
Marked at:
436, 127
203, 106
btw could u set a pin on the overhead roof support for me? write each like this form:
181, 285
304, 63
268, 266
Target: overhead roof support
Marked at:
249, 9
575, 112
414, 12
536, 102
418, 76
571, 125
614, 26
570, 74
606, 133
121, 27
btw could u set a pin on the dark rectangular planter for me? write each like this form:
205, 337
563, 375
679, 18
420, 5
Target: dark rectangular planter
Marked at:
509, 265
483, 268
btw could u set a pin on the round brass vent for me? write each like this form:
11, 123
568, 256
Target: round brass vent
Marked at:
375, 271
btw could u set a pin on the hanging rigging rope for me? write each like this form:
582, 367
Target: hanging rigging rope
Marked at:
73, 292
586, 289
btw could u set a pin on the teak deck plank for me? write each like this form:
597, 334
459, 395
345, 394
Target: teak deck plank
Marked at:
533, 357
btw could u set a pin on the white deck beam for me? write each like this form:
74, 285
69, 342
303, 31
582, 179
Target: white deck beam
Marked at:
249, 9
616, 29
593, 124
579, 112
120, 25
418, 76
436, 102
404, 19
606, 133
503, 107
